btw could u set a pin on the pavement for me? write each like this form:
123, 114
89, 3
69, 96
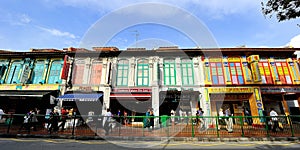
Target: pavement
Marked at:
158, 134
131, 138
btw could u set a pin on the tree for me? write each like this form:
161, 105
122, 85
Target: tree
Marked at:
284, 9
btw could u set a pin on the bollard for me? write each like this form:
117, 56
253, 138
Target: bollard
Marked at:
73, 129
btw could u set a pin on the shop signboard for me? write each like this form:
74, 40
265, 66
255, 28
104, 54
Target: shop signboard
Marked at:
41, 87
85, 88
255, 72
230, 90
8, 87
280, 89
129, 90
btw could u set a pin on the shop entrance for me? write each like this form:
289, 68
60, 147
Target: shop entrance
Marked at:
132, 106
235, 102
273, 101
176, 100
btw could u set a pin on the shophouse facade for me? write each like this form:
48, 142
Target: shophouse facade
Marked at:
256, 79
235, 78
87, 89
30, 79
136, 79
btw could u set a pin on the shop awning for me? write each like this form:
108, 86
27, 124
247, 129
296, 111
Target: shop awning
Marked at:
80, 97
24, 93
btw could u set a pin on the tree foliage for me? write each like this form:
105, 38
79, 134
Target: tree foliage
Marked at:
284, 9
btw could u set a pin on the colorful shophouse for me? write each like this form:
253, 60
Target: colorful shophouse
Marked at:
87, 88
162, 80
131, 81
253, 78
170, 78
30, 79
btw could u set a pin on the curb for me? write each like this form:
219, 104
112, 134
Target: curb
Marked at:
127, 138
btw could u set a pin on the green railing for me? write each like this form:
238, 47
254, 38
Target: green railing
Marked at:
164, 126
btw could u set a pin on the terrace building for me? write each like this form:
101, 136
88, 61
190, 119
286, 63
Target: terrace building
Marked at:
163, 79
31, 79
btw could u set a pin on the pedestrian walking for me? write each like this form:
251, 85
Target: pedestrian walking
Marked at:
274, 119
53, 120
26, 122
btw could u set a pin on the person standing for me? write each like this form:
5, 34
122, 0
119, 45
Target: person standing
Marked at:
173, 113
151, 114
119, 115
1, 113
106, 121
274, 115
221, 118
125, 118
64, 114
181, 117
34, 120
133, 113
247, 115
229, 122
146, 119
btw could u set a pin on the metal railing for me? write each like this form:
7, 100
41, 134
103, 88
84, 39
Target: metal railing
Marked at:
164, 126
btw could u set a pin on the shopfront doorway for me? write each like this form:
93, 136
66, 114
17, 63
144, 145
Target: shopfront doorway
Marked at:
235, 102
176, 100
273, 101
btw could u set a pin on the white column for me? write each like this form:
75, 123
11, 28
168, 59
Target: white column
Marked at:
106, 99
103, 71
197, 72
161, 70
87, 71
155, 104
178, 71
131, 74
201, 72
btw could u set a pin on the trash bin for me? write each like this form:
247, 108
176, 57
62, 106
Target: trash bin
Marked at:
164, 120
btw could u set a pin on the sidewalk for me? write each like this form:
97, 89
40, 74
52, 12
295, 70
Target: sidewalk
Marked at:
177, 133
126, 138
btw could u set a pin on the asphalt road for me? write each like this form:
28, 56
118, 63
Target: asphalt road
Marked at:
64, 144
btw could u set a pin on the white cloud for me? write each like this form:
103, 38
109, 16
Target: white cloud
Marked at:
59, 33
24, 18
14, 18
295, 42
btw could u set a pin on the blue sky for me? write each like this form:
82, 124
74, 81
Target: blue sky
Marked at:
187, 24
